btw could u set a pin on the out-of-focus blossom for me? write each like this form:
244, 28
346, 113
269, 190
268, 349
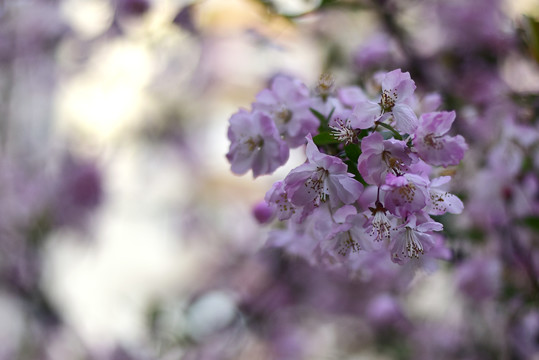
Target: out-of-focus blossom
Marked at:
374, 53
432, 143
287, 102
524, 335
184, 19
263, 212
278, 198
350, 96
255, 144
479, 277
385, 312
79, 191
132, 7
481, 24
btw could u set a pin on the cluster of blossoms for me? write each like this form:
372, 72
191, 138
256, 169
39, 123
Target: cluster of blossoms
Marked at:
371, 180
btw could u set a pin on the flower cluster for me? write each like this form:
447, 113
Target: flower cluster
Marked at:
369, 183
280, 119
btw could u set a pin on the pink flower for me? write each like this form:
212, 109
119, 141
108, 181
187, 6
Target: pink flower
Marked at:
433, 145
411, 240
365, 114
278, 199
380, 157
350, 96
255, 144
405, 194
301, 239
349, 235
287, 102
380, 223
441, 201
321, 178
397, 91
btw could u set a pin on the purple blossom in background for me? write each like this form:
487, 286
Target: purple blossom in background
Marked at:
263, 212
479, 278
481, 24
287, 102
432, 143
277, 198
132, 7
255, 144
384, 311
79, 192
377, 50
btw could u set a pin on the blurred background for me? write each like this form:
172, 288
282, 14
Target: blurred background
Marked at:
124, 234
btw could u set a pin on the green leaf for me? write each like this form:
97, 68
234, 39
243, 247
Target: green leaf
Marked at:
532, 222
352, 169
324, 121
325, 138
318, 115
527, 164
363, 133
330, 115
352, 151
476, 234
327, 2
39, 228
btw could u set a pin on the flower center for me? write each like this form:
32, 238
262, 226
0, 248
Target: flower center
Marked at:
381, 226
348, 245
407, 192
392, 163
284, 205
318, 183
432, 141
283, 115
437, 200
325, 84
254, 143
343, 131
389, 98
414, 248
380, 223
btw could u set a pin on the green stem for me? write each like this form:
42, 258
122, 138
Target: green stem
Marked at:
390, 128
